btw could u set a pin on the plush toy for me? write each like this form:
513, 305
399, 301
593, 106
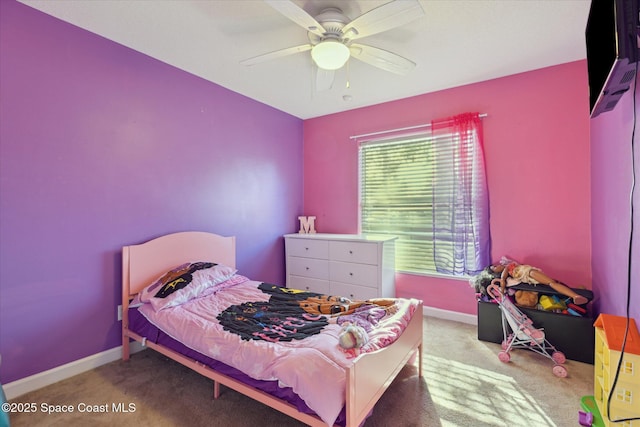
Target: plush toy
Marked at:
527, 299
352, 336
482, 280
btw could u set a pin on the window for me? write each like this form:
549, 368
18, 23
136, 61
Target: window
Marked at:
430, 191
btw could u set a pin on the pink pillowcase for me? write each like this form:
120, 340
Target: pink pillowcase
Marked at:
183, 284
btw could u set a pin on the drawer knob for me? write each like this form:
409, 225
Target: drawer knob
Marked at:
307, 268
351, 252
350, 274
306, 249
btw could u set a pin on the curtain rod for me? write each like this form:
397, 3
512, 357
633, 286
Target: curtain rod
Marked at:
426, 125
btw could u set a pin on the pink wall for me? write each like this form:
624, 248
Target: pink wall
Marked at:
611, 183
537, 157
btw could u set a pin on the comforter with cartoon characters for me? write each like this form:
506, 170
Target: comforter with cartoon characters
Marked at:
270, 332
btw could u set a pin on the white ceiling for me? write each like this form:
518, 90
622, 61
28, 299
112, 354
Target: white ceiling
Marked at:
456, 42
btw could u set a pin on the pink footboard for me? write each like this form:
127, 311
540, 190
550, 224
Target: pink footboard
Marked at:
372, 373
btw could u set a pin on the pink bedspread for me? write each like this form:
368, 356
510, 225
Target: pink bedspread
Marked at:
314, 366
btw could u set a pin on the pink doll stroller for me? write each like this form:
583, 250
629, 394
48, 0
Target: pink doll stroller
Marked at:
523, 333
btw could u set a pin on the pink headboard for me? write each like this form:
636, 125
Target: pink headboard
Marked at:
143, 263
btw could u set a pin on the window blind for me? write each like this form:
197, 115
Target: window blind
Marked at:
396, 195
405, 189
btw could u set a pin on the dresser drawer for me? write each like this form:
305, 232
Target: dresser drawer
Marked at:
308, 248
353, 292
357, 274
310, 285
355, 266
363, 253
309, 267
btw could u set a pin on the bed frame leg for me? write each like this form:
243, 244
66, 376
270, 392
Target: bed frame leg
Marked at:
420, 360
216, 389
125, 347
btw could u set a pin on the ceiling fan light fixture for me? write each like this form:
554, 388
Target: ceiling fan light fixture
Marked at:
330, 54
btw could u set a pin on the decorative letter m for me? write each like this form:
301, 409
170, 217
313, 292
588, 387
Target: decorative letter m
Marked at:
307, 224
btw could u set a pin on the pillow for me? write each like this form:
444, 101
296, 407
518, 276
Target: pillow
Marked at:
183, 283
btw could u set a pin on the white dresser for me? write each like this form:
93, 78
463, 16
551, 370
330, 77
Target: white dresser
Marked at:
355, 266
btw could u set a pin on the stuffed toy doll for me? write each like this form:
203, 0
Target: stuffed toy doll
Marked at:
352, 336
526, 299
482, 280
513, 273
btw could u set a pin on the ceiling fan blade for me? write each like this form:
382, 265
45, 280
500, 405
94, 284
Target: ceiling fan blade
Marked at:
381, 58
324, 79
276, 54
297, 15
383, 18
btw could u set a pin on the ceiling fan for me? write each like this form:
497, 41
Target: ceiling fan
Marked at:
331, 34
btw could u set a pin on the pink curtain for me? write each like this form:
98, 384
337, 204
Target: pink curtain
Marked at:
461, 235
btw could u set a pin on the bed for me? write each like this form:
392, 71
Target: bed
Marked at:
365, 375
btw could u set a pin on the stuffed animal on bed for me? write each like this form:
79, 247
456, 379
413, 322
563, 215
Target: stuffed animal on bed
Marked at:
352, 336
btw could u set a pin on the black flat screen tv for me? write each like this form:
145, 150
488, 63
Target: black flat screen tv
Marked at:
612, 40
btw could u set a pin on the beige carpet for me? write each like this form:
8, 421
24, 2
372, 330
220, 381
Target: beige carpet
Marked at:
464, 384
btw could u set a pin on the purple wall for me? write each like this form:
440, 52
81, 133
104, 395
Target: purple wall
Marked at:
611, 181
101, 147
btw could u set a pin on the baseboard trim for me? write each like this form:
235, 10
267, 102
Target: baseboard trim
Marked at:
34, 382
450, 315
